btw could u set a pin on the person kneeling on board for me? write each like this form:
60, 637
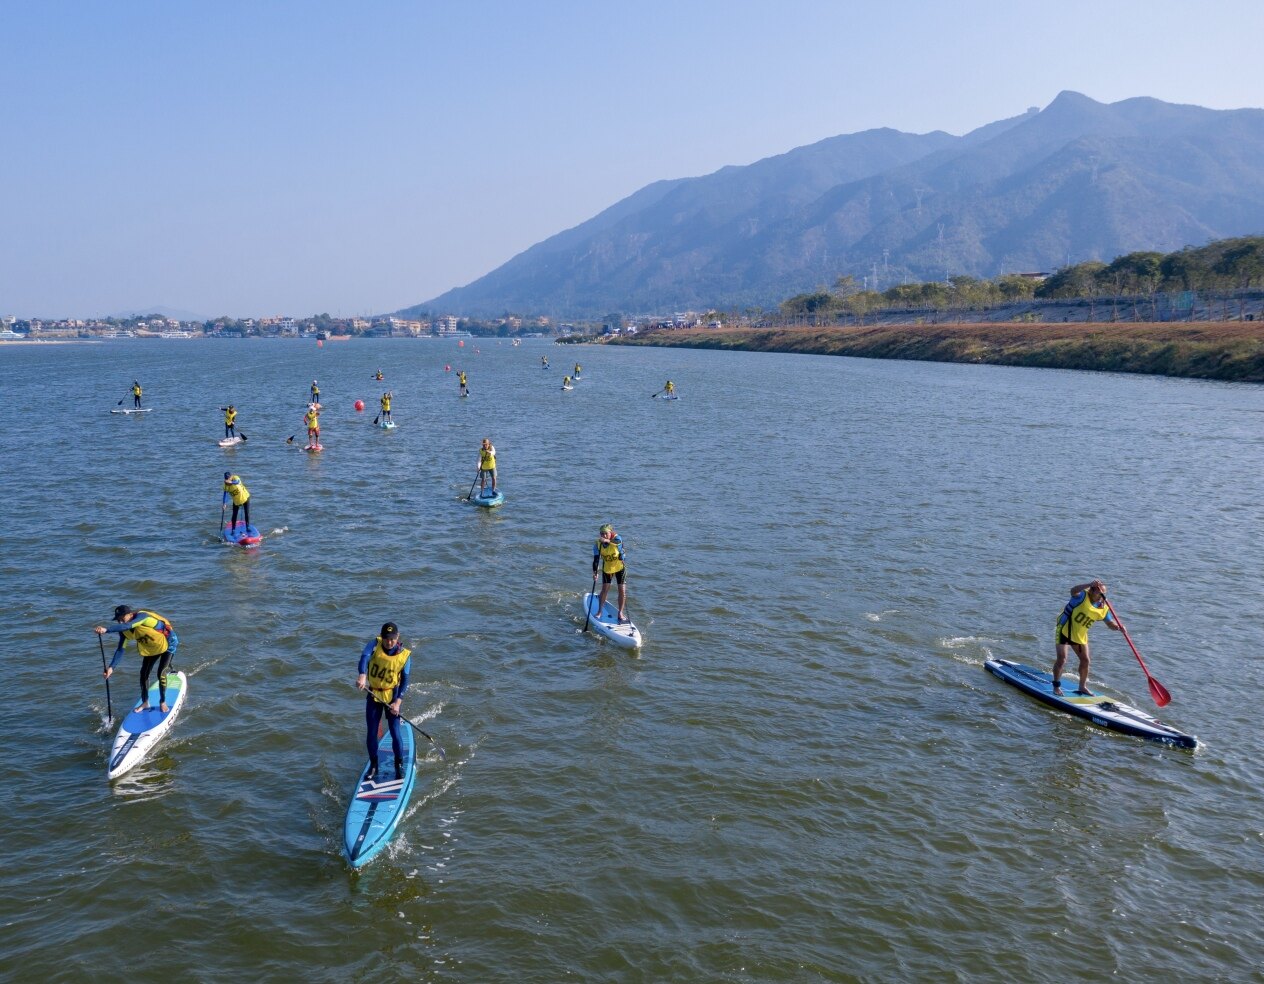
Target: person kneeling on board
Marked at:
383, 672
230, 421
609, 551
156, 641
1087, 605
235, 489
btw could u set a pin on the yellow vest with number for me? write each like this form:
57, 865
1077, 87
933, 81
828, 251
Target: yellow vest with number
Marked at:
150, 631
384, 670
611, 557
487, 459
237, 491
1076, 618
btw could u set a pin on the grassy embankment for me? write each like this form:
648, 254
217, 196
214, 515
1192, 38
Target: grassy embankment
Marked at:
1229, 351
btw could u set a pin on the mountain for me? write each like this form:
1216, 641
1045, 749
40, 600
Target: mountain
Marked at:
1077, 180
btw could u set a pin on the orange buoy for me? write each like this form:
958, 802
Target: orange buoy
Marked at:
461, 343
359, 404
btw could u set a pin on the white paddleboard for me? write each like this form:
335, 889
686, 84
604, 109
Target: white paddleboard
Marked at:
228, 442
142, 730
606, 623
133, 410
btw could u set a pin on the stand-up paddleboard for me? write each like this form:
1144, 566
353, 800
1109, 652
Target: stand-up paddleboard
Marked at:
1102, 711
387, 425
672, 397
229, 442
567, 389
242, 535
133, 410
142, 730
377, 806
606, 623
314, 447
488, 498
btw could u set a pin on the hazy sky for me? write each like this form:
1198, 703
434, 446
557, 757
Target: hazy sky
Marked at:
261, 157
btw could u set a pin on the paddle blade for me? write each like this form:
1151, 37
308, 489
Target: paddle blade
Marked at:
1159, 692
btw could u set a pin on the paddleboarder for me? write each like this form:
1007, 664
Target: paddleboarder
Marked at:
578, 369
378, 377
386, 406
487, 464
460, 378
312, 420
136, 391
235, 489
1087, 605
384, 666
608, 551
544, 361
566, 382
230, 419
315, 392
156, 642
669, 388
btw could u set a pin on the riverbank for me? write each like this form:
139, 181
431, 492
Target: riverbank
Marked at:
1227, 351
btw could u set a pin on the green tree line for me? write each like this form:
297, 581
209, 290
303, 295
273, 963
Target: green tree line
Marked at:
1227, 264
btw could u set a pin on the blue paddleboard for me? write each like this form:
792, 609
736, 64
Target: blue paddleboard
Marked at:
242, 535
377, 807
1105, 712
489, 498
142, 730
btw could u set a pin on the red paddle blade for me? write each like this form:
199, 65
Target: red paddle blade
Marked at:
1159, 692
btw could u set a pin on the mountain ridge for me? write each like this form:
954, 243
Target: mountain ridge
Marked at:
1076, 180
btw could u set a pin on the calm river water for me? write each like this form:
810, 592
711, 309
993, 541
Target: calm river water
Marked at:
806, 776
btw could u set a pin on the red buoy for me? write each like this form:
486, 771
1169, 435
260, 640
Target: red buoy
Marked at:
359, 404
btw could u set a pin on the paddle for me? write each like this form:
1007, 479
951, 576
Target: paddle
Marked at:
290, 439
109, 708
242, 435
588, 608
654, 396
437, 746
375, 420
473, 483
1157, 690
222, 507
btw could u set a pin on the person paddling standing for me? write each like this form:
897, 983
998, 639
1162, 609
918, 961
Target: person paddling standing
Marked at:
608, 551
460, 378
312, 420
136, 391
230, 420
578, 369
386, 406
315, 392
1087, 605
669, 388
156, 642
235, 489
486, 464
383, 670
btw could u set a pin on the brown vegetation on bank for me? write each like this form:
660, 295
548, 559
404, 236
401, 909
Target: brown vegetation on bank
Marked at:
1230, 351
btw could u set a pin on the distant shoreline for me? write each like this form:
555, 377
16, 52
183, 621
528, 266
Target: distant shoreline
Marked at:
1225, 351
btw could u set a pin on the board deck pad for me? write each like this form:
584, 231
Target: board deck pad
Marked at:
488, 498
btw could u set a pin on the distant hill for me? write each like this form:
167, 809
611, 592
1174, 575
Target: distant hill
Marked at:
158, 309
1077, 180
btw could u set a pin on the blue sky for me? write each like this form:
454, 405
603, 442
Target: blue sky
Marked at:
267, 157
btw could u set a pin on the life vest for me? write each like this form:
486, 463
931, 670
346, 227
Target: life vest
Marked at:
310, 419
236, 491
1078, 615
384, 671
315, 390
150, 631
135, 391
229, 417
670, 387
487, 458
576, 368
461, 378
611, 555
386, 404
